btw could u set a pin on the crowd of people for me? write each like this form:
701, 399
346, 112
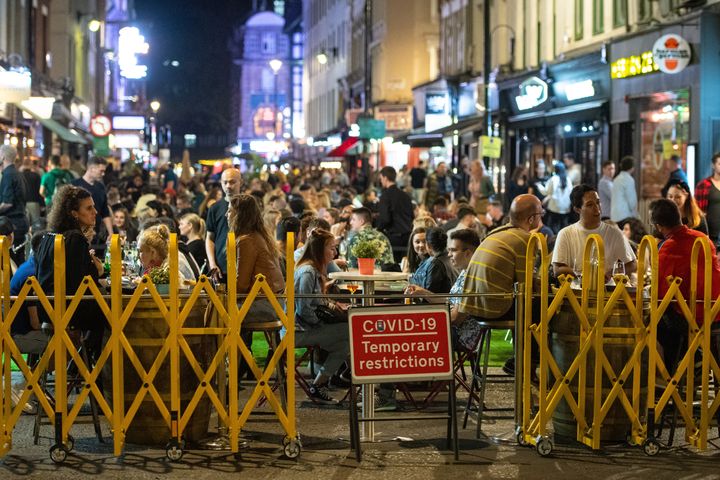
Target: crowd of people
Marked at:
449, 233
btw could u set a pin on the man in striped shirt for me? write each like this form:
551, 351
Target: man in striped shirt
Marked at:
499, 262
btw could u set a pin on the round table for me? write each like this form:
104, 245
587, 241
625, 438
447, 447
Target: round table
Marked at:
368, 283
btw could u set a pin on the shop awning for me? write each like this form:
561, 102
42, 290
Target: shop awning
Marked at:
572, 112
342, 149
463, 126
54, 126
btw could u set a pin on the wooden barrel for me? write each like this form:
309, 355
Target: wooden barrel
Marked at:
564, 343
146, 331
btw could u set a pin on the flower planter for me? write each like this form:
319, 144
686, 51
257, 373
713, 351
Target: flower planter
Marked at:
366, 266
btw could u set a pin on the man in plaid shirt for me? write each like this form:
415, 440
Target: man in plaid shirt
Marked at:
707, 195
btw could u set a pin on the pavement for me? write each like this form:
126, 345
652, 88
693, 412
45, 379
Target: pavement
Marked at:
410, 449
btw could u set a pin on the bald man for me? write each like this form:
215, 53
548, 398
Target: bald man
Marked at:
217, 226
499, 262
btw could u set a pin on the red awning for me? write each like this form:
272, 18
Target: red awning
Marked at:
341, 150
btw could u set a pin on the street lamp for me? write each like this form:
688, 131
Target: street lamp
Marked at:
155, 106
275, 65
94, 25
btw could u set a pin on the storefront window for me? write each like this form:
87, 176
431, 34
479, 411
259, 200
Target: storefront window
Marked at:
665, 129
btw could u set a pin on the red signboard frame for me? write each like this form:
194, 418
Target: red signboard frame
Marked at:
403, 343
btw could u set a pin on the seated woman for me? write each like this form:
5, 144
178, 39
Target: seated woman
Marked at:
679, 192
123, 225
153, 244
72, 215
192, 227
436, 272
256, 253
416, 251
310, 278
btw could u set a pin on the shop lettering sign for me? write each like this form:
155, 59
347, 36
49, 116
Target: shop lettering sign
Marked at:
671, 53
633, 66
533, 92
405, 343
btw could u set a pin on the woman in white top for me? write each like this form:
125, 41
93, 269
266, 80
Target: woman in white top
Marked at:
557, 199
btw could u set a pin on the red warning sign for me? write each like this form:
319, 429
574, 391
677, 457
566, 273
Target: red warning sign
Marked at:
404, 343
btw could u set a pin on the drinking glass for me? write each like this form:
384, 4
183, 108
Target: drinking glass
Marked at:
577, 271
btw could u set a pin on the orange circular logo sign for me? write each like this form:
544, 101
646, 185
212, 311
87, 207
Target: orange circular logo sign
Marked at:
671, 53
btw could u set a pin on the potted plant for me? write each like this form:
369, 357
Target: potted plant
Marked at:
160, 276
366, 252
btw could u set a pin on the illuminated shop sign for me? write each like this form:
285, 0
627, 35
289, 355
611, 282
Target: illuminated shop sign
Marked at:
671, 53
533, 92
633, 66
436, 103
130, 45
579, 90
14, 85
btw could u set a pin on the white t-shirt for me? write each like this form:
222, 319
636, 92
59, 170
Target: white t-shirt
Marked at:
570, 245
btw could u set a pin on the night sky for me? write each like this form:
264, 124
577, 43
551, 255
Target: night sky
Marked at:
195, 96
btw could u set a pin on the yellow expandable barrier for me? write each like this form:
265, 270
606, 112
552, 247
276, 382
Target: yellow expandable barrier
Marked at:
118, 350
641, 405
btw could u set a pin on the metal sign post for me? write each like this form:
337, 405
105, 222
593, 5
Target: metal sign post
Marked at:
406, 343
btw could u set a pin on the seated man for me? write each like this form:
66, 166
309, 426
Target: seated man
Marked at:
494, 217
467, 219
463, 244
498, 263
570, 242
361, 229
674, 260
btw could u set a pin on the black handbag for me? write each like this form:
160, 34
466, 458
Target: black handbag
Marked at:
327, 314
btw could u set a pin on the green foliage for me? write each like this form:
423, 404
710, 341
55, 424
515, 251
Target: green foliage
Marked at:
160, 275
372, 248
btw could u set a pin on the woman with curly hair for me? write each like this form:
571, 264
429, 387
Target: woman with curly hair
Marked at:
72, 215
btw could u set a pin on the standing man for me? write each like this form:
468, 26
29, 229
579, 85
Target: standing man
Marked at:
396, 213
624, 199
605, 188
574, 171
361, 226
217, 226
439, 185
58, 176
12, 200
674, 164
418, 174
707, 194
92, 181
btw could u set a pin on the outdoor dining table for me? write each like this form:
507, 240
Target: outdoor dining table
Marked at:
368, 286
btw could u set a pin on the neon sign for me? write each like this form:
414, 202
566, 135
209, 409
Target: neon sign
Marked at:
633, 66
130, 45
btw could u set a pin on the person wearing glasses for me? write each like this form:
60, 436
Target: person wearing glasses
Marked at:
461, 248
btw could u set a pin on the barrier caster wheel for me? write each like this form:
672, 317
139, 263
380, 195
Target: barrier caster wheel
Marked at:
651, 447
292, 449
174, 451
520, 437
286, 440
70, 445
58, 453
543, 446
